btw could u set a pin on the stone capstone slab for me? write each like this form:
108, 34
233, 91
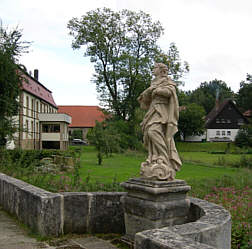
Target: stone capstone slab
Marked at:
157, 191
93, 243
157, 239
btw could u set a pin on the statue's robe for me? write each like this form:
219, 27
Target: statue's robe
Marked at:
161, 120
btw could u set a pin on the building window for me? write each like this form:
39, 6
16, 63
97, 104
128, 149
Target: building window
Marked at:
51, 128
51, 145
217, 121
217, 133
223, 133
27, 106
32, 108
27, 128
37, 109
229, 121
37, 130
32, 129
223, 121
229, 133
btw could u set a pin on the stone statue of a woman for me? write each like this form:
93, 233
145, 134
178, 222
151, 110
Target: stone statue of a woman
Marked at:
159, 126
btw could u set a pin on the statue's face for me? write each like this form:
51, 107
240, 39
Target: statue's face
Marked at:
156, 70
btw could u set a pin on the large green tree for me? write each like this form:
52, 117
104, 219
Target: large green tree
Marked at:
123, 47
191, 120
244, 95
11, 47
207, 93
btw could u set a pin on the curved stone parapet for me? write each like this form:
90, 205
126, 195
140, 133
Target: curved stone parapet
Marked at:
209, 227
51, 214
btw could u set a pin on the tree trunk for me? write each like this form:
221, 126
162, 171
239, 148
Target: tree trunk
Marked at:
99, 155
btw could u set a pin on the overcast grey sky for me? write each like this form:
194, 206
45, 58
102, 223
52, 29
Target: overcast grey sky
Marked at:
214, 36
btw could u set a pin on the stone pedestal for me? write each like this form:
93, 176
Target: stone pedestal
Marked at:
154, 204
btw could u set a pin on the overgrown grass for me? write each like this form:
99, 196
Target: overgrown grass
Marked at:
212, 147
89, 176
227, 160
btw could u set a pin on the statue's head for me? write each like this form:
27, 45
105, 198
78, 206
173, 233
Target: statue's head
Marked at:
160, 69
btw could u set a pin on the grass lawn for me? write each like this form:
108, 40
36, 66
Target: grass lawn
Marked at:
212, 159
124, 166
210, 147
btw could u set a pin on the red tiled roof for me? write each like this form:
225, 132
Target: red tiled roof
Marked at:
34, 87
82, 116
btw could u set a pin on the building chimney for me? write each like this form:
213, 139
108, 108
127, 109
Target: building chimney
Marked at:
36, 74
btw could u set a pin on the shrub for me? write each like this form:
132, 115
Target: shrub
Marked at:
244, 137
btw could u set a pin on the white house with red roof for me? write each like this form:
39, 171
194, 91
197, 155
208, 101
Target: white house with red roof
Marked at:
39, 123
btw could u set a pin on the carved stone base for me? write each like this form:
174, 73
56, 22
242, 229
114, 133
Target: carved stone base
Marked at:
157, 170
154, 204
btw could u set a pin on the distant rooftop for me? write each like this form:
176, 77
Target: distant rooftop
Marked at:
82, 116
34, 87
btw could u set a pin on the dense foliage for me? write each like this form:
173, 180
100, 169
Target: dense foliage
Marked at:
244, 95
207, 93
11, 47
191, 120
113, 136
244, 136
76, 134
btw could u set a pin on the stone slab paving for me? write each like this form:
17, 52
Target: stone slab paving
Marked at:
93, 243
12, 236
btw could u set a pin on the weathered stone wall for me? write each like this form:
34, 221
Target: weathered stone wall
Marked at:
52, 214
35, 207
93, 212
